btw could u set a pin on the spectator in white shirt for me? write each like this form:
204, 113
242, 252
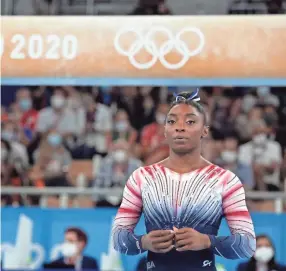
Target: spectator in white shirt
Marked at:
265, 155
58, 117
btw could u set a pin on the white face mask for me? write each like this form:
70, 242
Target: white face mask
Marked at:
9, 135
69, 249
229, 156
160, 118
121, 126
248, 103
259, 139
4, 154
57, 101
119, 156
263, 91
264, 254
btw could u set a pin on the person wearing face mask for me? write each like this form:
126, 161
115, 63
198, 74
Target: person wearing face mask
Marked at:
229, 160
13, 172
58, 116
98, 126
245, 123
153, 142
51, 162
265, 156
29, 114
10, 133
114, 171
123, 129
266, 97
72, 250
263, 258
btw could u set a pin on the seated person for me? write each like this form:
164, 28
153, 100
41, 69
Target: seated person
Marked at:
264, 257
113, 173
72, 250
52, 161
229, 160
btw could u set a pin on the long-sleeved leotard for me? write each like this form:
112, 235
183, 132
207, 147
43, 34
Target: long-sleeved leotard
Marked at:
198, 200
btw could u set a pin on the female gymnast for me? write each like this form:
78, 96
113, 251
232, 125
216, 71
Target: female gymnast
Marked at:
183, 199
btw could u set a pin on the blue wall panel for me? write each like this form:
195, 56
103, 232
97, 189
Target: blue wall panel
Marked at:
49, 226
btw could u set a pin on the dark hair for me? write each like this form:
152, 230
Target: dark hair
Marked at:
81, 235
188, 98
271, 264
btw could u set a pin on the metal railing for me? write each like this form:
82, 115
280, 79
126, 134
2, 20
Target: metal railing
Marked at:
65, 194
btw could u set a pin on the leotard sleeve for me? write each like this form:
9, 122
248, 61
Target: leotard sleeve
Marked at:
124, 239
241, 243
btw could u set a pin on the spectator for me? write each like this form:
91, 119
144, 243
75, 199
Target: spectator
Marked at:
114, 172
52, 162
248, 101
4, 114
123, 129
222, 117
265, 97
245, 123
271, 119
13, 173
72, 250
12, 134
29, 114
265, 155
98, 125
275, 6
147, 7
132, 101
40, 97
154, 147
58, 117
264, 257
229, 160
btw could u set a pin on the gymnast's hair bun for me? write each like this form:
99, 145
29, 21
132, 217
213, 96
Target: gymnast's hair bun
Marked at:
187, 96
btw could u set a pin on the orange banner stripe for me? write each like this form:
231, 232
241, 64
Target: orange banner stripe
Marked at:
141, 47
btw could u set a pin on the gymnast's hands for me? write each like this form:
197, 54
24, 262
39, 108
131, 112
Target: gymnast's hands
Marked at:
159, 241
190, 239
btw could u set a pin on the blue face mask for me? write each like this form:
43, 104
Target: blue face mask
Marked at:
25, 104
54, 140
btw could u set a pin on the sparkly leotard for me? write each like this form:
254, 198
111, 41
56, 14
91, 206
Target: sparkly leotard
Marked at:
199, 200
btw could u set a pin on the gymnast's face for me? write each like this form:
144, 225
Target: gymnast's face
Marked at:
184, 128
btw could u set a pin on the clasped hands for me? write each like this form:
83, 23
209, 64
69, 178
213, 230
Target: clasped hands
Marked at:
163, 241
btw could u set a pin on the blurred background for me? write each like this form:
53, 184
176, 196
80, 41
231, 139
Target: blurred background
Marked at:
67, 151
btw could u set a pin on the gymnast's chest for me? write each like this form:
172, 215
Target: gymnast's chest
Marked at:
180, 193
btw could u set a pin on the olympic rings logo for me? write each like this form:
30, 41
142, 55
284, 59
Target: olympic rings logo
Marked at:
147, 43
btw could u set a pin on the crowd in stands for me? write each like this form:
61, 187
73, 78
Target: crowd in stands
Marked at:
96, 137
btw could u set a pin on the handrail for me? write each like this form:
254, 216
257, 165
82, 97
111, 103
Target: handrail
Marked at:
66, 192
48, 191
112, 191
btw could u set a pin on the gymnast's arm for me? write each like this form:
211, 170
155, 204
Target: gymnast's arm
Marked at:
128, 215
241, 243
